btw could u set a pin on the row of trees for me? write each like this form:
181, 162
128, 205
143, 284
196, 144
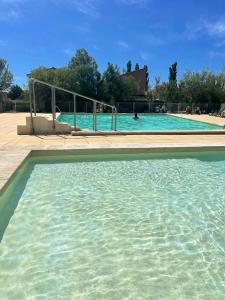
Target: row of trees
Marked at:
82, 75
6, 79
204, 87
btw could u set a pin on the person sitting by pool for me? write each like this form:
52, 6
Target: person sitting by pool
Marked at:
198, 111
135, 117
188, 110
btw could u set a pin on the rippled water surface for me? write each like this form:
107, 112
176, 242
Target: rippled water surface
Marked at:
145, 122
118, 229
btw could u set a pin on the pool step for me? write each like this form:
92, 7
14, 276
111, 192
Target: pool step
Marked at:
43, 125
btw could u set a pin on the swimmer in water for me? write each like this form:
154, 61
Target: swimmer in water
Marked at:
135, 117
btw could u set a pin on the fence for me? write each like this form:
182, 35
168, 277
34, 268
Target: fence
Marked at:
83, 106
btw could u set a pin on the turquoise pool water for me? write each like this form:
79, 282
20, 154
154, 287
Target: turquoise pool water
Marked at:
115, 227
146, 122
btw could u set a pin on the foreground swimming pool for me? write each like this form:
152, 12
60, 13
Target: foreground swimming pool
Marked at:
146, 122
145, 226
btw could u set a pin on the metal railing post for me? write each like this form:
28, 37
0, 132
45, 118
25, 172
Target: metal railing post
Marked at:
112, 119
31, 109
53, 107
94, 116
75, 111
34, 98
115, 121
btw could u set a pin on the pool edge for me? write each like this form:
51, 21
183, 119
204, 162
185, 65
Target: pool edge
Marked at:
107, 150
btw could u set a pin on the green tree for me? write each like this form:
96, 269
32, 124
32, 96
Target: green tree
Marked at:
172, 84
86, 73
15, 92
173, 73
117, 87
61, 77
129, 66
137, 67
6, 76
147, 76
203, 87
111, 83
160, 90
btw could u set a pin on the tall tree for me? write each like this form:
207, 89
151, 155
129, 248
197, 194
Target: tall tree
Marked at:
6, 76
147, 76
117, 87
129, 66
137, 67
15, 92
172, 89
173, 73
85, 72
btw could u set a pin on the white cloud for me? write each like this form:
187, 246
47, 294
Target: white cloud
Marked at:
10, 9
154, 39
132, 2
11, 14
95, 47
12, 1
217, 28
220, 43
123, 45
68, 52
87, 7
204, 27
217, 54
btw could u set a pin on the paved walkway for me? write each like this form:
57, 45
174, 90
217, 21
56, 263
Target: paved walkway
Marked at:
14, 148
204, 118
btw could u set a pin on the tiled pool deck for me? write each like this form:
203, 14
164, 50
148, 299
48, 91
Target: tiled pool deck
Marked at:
14, 148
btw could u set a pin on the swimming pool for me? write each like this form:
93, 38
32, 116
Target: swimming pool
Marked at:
146, 122
128, 226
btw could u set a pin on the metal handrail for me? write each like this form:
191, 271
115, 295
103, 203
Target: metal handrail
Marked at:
58, 108
53, 88
71, 92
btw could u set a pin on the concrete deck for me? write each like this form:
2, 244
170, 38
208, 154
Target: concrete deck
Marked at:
14, 148
203, 118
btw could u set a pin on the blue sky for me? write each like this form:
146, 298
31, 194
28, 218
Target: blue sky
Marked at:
153, 32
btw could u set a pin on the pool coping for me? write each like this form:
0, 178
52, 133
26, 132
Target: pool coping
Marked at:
147, 132
21, 157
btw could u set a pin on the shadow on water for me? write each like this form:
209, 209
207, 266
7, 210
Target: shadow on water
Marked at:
10, 197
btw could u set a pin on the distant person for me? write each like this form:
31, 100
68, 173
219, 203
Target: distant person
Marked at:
198, 111
188, 109
157, 109
135, 117
163, 109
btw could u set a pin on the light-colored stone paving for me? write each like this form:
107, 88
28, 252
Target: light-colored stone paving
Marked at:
204, 118
14, 148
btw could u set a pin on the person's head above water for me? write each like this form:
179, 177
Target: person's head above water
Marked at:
135, 116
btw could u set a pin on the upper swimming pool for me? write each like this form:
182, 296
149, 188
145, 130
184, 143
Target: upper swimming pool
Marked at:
127, 226
146, 122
